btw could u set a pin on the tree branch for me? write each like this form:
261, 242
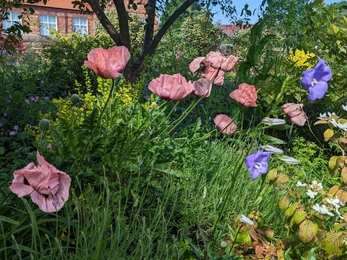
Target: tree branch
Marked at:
116, 37
123, 23
150, 9
151, 49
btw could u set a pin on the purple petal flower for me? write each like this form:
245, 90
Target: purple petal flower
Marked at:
257, 163
316, 80
12, 133
27, 101
16, 127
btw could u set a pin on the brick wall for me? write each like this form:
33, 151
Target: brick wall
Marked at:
64, 18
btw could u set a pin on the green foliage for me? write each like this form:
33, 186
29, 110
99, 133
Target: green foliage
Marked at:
25, 92
154, 179
311, 157
62, 71
136, 29
196, 36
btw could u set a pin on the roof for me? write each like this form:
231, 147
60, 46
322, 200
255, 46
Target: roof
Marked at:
62, 4
230, 29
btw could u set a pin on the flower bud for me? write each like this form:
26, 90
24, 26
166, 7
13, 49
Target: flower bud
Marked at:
246, 220
269, 233
273, 121
283, 204
75, 99
272, 149
223, 244
44, 124
289, 160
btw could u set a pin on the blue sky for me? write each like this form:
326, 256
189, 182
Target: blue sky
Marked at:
253, 4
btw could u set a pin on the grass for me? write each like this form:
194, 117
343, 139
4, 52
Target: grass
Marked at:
171, 218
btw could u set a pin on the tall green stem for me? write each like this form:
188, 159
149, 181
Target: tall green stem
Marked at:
99, 120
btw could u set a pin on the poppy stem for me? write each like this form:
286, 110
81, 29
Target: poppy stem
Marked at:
99, 120
185, 114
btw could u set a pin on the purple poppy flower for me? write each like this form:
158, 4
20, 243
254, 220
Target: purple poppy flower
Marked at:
316, 80
257, 163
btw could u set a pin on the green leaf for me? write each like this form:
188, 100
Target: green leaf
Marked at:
286, 254
290, 211
333, 243
2, 150
299, 217
307, 231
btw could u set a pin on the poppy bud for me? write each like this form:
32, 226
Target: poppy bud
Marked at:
75, 99
44, 124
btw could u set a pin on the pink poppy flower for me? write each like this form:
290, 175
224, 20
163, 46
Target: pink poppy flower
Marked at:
225, 124
171, 87
213, 66
219, 61
47, 186
212, 74
195, 65
109, 63
295, 113
202, 87
245, 95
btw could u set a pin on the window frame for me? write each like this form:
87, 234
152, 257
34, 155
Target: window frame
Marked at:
46, 25
80, 26
11, 20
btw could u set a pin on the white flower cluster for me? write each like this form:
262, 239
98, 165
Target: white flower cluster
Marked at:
328, 205
328, 117
332, 117
322, 209
333, 205
311, 189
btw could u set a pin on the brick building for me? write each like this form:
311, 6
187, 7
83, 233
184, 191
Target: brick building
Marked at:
232, 29
62, 16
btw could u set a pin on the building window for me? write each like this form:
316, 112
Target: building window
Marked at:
80, 26
12, 19
47, 22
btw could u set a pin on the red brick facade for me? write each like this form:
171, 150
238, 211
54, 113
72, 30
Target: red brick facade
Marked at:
64, 12
64, 19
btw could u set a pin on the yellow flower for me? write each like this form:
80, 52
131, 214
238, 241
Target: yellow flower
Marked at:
301, 59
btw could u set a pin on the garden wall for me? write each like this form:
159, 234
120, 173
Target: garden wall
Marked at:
34, 42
